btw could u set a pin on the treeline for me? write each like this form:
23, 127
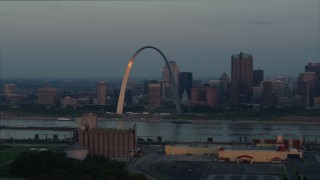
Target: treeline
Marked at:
53, 165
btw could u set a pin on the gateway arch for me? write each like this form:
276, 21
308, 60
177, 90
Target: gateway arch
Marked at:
126, 76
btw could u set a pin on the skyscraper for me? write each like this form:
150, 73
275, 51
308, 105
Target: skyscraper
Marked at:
224, 78
307, 81
166, 75
101, 93
185, 83
154, 97
205, 96
267, 96
278, 88
232, 93
314, 67
257, 77
146, 85
218, 84
241, 73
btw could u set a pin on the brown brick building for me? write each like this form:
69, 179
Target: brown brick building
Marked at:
106, 142
205, 96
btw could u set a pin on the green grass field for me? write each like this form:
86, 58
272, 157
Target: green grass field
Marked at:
9, 153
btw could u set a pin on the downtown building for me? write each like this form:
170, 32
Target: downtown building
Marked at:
307, 86
267, 98
46, 96
241, 75
218, 84
314, 67
13, 99
154, 98
185, 84
166, 74
224, 78
205, 96
9, 89
101, 93
258, 77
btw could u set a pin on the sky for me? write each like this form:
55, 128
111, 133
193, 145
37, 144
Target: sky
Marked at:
96, 39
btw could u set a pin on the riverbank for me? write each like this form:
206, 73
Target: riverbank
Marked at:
280, 120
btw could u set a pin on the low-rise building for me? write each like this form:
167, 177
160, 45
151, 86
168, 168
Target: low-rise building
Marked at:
191, 149
253, 154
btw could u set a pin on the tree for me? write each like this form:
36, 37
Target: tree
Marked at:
53, 165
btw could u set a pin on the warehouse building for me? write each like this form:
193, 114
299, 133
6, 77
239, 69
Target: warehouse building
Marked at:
107, 142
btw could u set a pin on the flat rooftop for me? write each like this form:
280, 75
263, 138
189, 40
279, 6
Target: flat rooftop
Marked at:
285, 136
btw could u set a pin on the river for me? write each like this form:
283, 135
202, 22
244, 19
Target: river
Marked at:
194, 132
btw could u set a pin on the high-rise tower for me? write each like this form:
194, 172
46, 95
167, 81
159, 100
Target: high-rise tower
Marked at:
101, 93
241, 74
257, 77
185, 83
314, 67
166, 75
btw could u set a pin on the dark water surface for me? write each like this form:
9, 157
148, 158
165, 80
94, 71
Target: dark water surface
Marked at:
194, 132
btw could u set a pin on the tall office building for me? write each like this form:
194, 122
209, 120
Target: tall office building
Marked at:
185, 83
224, 78
241, 73
267, 95
154, 97
196, 83
137, 89
166, 75
205, 96
232, 93
314, 67
257, 93
257, 77
46, 96
146, 85
101, 93
307, 81
9, 89
278, 88
218, 84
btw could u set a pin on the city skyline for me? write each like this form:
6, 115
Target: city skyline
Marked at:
81, 39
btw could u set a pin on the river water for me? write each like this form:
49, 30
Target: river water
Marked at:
194, 132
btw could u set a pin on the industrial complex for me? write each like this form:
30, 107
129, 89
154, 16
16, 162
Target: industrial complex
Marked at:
107, 142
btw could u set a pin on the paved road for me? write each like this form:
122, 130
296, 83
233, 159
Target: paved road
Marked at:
132, 168
145, 164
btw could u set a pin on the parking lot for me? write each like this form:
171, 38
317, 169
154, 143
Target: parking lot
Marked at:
188, 167
241, 177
